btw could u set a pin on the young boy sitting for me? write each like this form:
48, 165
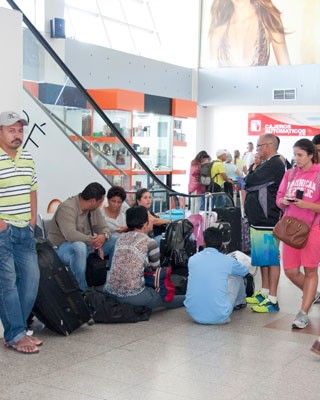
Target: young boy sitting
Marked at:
215, 283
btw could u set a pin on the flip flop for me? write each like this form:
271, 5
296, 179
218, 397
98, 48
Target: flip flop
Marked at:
35, 341
23, 348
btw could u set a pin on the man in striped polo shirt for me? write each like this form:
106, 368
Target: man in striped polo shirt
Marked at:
19, 271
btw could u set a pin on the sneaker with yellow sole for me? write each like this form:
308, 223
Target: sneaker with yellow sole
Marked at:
266, 307
256, 298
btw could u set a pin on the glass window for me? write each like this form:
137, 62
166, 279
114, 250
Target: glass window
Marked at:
164, 30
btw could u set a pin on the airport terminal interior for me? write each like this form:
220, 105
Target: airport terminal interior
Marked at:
170, 357
256, 356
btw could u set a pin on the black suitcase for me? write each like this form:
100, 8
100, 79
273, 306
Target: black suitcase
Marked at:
59, 304
233, 216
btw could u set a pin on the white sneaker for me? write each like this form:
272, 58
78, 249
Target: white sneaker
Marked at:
301, 320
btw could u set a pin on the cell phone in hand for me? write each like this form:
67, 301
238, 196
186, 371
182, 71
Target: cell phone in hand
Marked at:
291, 200
299, 194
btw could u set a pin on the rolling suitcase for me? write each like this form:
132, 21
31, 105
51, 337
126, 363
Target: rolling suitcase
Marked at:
197, 222
59, 304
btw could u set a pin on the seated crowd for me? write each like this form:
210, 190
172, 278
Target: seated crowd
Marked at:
131, 240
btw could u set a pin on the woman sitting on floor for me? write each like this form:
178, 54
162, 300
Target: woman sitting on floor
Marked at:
134, 252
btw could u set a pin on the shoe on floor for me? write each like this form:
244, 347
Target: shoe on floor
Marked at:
266, 307
239, 306
257, 298
316, 299
301, 320
316, 347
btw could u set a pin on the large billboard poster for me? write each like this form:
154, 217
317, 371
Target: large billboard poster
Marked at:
281, 124
241, 33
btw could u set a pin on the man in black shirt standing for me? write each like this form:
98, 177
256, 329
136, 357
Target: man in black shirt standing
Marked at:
262, 212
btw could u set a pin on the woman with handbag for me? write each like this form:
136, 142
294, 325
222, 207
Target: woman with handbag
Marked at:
299, 197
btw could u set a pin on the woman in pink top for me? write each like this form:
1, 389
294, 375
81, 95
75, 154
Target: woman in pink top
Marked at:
299, 197
195, 187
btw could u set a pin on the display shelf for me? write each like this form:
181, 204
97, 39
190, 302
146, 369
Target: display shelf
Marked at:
179, 144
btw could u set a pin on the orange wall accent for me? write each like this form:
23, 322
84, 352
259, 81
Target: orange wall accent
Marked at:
32, 87
184, 108
118, 99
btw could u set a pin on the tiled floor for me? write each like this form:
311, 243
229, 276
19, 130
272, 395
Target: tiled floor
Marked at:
171, 358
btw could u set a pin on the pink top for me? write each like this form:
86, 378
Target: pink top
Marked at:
308, 181
194, 177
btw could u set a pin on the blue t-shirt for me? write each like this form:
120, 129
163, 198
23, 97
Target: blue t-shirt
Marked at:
207, 300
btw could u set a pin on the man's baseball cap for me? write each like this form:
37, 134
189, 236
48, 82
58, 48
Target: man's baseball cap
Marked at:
8, 118
220, 152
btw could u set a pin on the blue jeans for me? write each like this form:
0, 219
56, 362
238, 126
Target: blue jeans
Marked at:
149, 298
19, 280
74, 255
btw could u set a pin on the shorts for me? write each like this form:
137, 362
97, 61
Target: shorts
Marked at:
264, 247
308, 257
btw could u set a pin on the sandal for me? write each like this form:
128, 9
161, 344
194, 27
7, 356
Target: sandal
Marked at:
25, 348
35, 341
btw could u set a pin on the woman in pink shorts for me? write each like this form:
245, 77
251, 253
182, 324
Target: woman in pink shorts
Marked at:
299, 196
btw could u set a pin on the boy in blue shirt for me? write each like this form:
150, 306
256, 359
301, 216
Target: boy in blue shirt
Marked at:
215, 282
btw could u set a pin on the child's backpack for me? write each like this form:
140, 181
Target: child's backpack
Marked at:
176, 246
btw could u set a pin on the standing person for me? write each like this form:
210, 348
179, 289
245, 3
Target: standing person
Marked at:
241, 165
299, 196
241, 33
316, 142
263, 213
248, 156
256, 163
215, 282
19, 271
218, 173
233, 174
70, 233
195, 187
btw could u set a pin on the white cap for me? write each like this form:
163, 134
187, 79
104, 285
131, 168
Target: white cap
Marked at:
220, 152
8, 118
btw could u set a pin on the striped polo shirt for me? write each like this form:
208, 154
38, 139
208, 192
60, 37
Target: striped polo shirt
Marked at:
17, 180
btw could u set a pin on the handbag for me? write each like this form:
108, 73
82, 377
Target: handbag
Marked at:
96, 270
292, 231
160, 281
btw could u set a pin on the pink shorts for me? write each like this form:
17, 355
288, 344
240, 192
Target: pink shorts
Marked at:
308, 257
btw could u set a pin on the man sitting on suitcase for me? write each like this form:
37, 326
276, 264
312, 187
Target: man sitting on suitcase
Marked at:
215, 282
70, 233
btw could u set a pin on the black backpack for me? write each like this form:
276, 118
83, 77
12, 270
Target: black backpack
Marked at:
176, 247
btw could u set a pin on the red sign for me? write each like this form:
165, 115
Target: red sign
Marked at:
284, 124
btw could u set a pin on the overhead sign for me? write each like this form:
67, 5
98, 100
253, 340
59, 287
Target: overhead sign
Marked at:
281, 124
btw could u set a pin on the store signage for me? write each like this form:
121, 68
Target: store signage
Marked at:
281, 124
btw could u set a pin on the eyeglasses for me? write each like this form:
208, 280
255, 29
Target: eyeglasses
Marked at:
263, 144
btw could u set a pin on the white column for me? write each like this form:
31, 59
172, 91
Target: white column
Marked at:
11, 60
